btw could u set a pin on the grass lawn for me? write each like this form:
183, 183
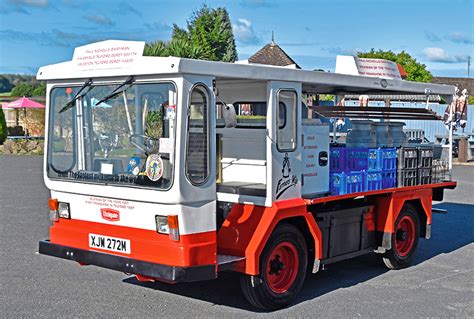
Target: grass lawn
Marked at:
6, 94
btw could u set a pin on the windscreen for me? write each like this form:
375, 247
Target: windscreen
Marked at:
120, 134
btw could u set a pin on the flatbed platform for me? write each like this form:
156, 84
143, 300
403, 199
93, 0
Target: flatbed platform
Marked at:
443, 185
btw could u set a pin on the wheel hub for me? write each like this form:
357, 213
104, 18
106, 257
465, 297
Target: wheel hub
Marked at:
282, 267
402, 235
405, 236
276, 266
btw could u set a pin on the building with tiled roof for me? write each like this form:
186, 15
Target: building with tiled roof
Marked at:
272, 54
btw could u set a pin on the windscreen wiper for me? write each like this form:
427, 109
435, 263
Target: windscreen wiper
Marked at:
78, 95
116, 91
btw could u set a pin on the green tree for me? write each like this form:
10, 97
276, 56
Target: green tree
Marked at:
28, 89
415, 71
40, 90
208, 36
16, 79
176, 47
157, 48
3, 127
5, 84
23, 89
185, 49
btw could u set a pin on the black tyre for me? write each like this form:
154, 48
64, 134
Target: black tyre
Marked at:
404, 239
283, 265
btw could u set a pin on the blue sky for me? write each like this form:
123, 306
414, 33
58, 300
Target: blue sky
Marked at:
438, 33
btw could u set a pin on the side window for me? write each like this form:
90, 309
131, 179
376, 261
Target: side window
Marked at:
286, 120
197, 146
62, 154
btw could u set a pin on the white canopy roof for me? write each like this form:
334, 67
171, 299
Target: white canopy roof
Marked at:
312, 81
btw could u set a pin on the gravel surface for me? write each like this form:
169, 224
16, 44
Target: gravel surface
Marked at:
439, 284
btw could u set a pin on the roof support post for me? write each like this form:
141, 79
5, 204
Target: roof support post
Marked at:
451, 138
449, 99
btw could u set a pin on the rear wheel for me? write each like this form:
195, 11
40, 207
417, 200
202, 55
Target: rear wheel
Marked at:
283, 265
404, 239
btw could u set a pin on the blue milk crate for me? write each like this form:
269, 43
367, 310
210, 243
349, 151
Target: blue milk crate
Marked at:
389, 159
354, 182
357, 159
346, 182
374, 160
389, 179
336, 183
367, 159
373, 180
337, 159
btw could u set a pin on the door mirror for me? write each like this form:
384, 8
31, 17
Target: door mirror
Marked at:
229, 116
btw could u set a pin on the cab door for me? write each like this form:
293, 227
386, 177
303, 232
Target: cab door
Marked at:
283, 141
197, 151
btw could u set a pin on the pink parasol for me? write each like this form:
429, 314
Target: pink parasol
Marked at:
23, 103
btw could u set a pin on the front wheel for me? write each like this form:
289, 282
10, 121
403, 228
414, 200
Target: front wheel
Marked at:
283, 265
404, 239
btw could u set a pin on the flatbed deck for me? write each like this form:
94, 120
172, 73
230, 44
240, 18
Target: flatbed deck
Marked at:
443, 185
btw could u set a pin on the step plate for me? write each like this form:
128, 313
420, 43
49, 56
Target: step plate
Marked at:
226, 262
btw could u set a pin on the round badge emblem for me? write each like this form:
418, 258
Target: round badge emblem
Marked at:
154, 167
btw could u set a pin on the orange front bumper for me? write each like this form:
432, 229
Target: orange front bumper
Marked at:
146, 245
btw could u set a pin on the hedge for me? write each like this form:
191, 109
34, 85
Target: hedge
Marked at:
3, 127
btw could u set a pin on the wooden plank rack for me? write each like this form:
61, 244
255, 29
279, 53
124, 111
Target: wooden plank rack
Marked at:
372, 112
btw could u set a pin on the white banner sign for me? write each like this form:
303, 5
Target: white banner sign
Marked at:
378, 67
110, 54
367, 67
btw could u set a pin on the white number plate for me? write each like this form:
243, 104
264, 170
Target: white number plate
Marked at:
109, 243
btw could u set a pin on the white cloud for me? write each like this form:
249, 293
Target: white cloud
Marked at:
60, 38
22, 6
431, 36
99, 19
245, 22
30, 3
439, 55
53, 38
459, 37
125, 8
244, 32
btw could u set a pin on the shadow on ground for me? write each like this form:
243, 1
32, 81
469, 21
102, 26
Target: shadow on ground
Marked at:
450, 232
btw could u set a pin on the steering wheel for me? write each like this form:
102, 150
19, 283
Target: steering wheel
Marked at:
151, 144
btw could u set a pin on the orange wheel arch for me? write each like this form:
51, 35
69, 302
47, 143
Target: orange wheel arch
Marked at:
246, 230
388, 208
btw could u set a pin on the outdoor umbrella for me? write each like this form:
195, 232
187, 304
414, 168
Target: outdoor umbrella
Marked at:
23, 103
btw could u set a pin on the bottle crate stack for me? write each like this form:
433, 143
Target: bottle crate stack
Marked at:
355, 169
389, 168
425, 164
362, 169
407, 164
440, 171
415, 165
